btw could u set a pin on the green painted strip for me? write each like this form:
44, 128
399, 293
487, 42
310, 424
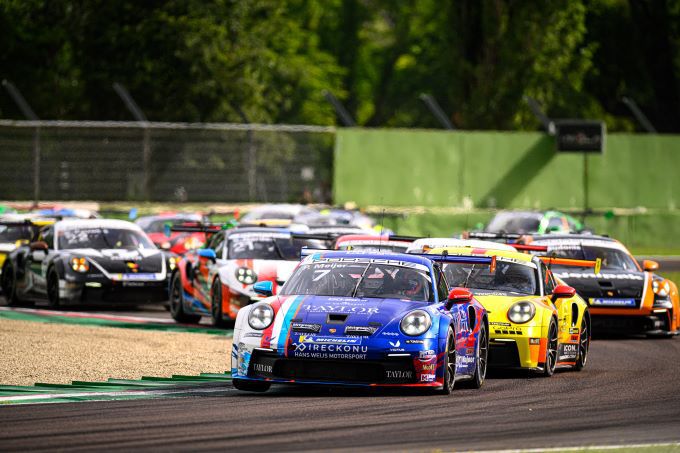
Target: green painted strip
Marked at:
21, 316
133, 383
90, 391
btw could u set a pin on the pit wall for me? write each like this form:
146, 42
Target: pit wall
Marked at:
503, 169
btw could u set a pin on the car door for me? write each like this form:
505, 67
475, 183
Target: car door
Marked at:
461, 323
37, 261
204, 266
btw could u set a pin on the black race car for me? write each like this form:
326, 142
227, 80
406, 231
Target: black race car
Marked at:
76, 261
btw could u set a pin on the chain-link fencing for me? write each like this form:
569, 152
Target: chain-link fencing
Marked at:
112, 161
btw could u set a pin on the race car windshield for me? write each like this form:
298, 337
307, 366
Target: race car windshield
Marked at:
510, 277
269, 248
612, 259
10, 234
363, 280
102, 238
506, 222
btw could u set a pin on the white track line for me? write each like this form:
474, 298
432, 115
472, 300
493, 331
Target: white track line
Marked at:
585, 448
122, 394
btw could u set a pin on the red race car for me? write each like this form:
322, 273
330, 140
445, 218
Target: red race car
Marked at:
179, 242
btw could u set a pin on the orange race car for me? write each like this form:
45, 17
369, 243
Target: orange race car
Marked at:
623, 296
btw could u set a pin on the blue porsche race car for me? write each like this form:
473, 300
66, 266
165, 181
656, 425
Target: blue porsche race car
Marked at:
359, 318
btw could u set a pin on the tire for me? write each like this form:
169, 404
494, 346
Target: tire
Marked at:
53, 299
216, 304
251, 386
9, 284
177, 303
449, 364
551, 350
482, 359
583, 344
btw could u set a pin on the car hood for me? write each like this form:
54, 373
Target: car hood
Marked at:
123, 260
334, 314
606, 284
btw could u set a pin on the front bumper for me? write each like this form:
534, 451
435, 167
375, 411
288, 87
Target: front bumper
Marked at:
650, 324
516, 346
108, 291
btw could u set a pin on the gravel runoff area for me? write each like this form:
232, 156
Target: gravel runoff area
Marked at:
59, 353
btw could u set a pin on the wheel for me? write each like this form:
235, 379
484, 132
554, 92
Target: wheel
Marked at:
551, 350
53, 299
583, 345
176, 303
216, 304
481, 359
9, 284
449, 364
251, 386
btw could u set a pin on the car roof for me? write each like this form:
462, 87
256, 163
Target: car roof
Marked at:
97, 223
519, 256
416, 259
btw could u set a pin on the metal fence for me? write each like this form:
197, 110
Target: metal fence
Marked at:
112, 161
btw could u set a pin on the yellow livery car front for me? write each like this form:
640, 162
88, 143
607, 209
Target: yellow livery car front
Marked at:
535, 321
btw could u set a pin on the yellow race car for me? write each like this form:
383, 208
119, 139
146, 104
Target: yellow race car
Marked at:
536, 322
17, 229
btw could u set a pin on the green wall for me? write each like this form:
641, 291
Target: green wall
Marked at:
502, 169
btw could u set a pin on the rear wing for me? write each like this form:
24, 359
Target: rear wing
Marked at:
572, 262
198, 227
510, 239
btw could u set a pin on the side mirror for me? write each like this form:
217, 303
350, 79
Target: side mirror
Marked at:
38, 245
563, 292
650, 266
264, 288
208, 254
458, 296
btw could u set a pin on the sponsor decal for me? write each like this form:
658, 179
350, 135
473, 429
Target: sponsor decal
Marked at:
344, 308
399, 374
429, 367
332, 348
390, 334
427, 378
534, 341
500, 324
308, 327
138, 276
415, 341
613, 302
490, 293
253, 335
332, 330
464, 360
395, 345
568, 351
263, 368
360, 330
427, 355
409, 264
573, 330
330, 340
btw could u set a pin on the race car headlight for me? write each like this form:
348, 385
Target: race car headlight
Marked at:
260, 316
79, 264
521, 312
172, 262
246, 275
415, 323
661, 287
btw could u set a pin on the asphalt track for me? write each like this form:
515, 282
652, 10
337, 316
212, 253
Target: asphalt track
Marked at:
628, 394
